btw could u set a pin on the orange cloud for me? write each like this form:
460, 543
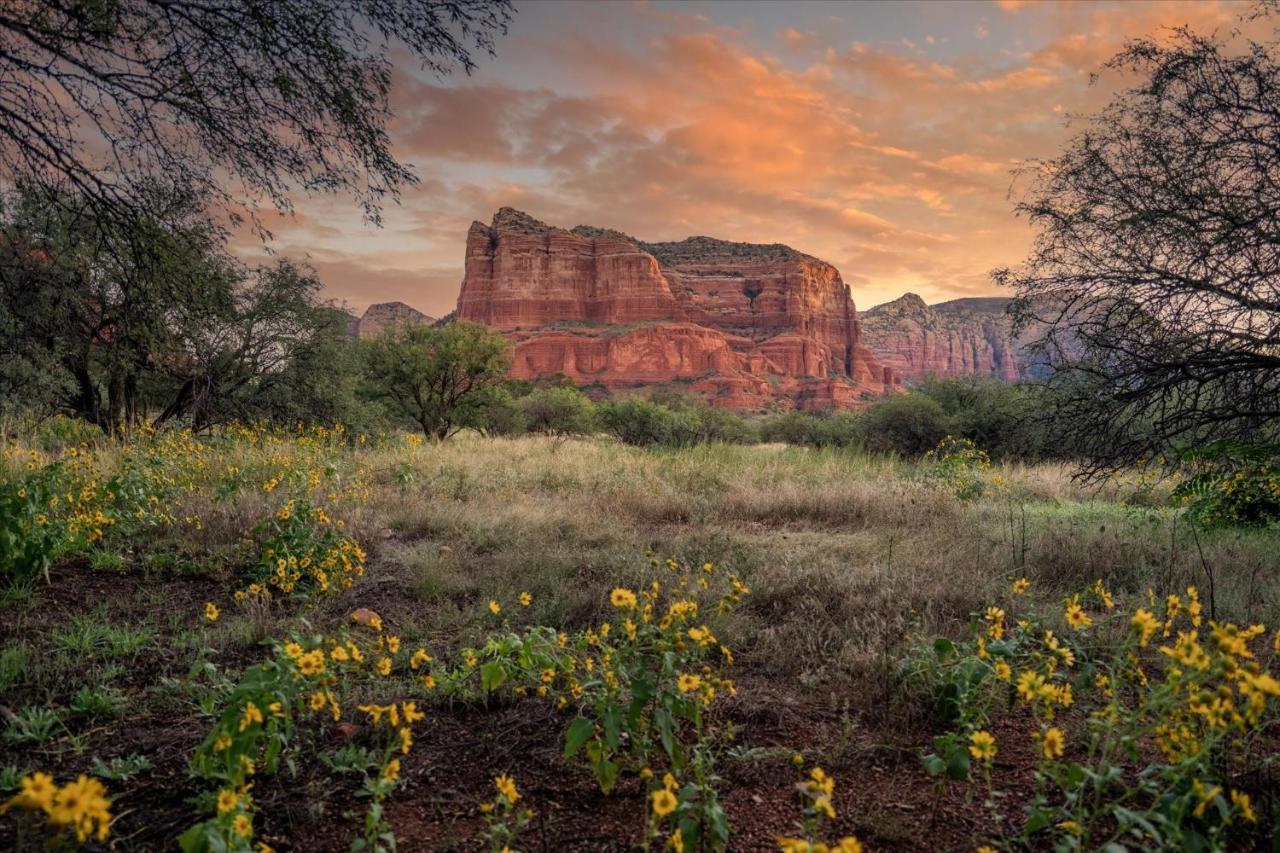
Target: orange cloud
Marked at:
878, 156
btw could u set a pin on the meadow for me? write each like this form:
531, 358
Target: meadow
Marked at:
317, 640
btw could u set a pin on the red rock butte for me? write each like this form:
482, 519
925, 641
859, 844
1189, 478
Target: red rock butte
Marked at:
745, 325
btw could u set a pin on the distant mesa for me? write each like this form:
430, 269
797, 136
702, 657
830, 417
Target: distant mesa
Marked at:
382, 314
743, 324
963, 337
973, 336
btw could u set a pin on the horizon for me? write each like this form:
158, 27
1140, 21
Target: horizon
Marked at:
879, 137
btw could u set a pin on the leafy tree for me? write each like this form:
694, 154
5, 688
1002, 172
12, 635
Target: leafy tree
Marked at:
101, 99
499, 412
112, 323
264, 348
320, 380
91, 305
437, 376
1155, 268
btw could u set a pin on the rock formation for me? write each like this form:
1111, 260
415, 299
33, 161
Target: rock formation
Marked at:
963, 337
378, 316
744, 324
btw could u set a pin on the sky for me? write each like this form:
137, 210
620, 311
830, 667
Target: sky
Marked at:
878, 136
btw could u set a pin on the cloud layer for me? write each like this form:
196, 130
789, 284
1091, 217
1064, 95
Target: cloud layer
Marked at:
884, 149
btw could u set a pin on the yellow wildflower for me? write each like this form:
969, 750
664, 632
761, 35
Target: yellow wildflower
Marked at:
664, 802
1075, 615
250, 716
982, 745
1241, 801
37, 792
1146, 623
228, 799
687, 683
1054, 743
507, 788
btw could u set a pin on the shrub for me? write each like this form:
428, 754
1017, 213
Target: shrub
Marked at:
910, 424
500, 413
959, 466
994, 414
838, 429
1232, 484
557, 411
708, 422
643, 423
790, 427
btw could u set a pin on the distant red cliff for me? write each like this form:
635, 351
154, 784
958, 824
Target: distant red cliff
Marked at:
963, 337
743, 324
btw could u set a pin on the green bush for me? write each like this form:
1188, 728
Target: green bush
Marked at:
709, 423
644, 423
910, 424
838, 429
1232, 485
557, 411
993, 414
789, 427
500, 413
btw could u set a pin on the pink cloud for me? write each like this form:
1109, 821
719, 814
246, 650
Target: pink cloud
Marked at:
893, 166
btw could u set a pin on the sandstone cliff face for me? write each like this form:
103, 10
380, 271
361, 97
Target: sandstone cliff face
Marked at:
743, 324
963, 337
521, 273
380, 315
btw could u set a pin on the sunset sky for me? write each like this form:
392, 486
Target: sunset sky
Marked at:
876, 135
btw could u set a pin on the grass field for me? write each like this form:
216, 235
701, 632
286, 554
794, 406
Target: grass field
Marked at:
112, 667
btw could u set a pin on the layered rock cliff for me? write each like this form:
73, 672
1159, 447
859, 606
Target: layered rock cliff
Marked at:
963, 337
745, 324
382, 314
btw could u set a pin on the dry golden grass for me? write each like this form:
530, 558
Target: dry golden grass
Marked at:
845, 553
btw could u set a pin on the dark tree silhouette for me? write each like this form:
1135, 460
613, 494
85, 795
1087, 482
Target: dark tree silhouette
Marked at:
1155, 275
235, 101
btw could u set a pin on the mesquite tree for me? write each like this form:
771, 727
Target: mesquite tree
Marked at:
440, 378
236, 101
1155, 275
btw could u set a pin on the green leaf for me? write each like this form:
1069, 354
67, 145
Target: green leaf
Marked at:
579, 730
958, 764
1036, 821
666, 730
492, 676
612, 720
643, 688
